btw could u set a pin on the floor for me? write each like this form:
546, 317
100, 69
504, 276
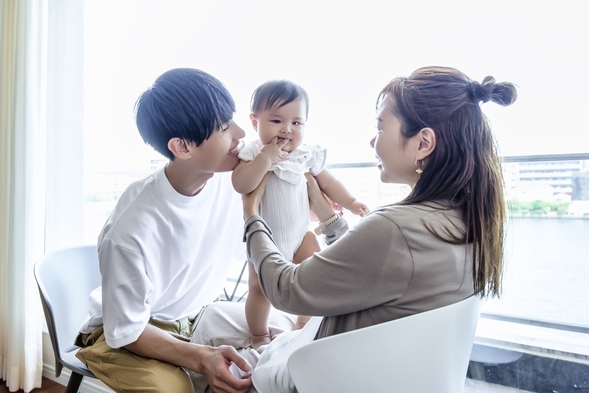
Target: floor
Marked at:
471, 386
49, 386
474, 386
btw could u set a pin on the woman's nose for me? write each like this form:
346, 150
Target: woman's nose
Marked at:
372, 142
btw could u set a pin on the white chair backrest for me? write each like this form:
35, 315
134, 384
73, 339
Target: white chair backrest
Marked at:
65, 279
423, 353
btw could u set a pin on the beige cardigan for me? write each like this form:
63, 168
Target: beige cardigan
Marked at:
387, 267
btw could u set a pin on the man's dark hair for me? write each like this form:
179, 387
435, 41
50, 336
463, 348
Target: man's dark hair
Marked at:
183, 103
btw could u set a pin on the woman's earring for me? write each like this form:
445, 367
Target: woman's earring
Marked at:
418, 170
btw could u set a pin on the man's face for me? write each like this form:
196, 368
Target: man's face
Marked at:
219, 152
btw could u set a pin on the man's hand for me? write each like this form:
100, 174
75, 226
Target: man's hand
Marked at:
215, 367
211, 362
273, 150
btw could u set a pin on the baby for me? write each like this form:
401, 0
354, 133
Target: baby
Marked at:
279, 111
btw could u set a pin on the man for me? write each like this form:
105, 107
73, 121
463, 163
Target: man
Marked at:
165, 250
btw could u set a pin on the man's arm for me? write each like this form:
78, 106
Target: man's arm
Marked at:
153, 343
212, 362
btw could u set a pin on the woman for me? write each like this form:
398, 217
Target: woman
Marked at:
441, 244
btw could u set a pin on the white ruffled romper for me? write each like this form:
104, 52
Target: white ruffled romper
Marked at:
285, 203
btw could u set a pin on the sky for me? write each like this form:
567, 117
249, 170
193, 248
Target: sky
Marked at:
342, 53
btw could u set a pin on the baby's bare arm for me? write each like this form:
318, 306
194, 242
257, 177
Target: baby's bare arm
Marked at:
338, 193
248, 174
334, 189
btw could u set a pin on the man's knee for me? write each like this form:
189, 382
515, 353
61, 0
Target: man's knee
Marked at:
224, 323
156, 377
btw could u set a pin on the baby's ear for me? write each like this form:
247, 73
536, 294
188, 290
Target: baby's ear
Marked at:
254, 121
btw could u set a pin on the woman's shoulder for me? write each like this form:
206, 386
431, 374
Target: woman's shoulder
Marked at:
431, 214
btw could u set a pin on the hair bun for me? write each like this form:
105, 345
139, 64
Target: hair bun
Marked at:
503, 93
483, 92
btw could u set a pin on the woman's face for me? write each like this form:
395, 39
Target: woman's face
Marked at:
396, 155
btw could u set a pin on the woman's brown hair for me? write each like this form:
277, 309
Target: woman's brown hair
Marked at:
464, 170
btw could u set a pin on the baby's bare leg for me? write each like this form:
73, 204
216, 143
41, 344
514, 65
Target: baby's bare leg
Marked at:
257, 309
308, 247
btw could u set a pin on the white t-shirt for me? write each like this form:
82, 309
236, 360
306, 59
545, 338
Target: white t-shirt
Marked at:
164, 255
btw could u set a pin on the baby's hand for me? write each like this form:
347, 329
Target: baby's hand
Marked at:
359, 208
273, 150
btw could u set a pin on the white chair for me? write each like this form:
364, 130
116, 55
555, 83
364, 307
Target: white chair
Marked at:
483, 355
423, 353
65, 279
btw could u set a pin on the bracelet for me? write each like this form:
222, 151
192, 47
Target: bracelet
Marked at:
323, 226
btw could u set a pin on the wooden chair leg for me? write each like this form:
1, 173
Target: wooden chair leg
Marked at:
74, 383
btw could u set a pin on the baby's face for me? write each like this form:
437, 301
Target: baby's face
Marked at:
285, 122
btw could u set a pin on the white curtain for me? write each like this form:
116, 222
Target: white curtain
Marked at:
23, 70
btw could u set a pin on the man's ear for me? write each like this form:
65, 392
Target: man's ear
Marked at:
254, 121
179, 148
427, 142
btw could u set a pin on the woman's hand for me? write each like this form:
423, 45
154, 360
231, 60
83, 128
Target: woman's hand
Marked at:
251, 201
318, 202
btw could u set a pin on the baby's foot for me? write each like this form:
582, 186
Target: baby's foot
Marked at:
299, 326
258, 341
301, 322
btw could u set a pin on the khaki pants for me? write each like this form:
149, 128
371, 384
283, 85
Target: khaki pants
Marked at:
123, 371
221, 323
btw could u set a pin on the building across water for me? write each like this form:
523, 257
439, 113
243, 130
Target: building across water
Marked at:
547, 180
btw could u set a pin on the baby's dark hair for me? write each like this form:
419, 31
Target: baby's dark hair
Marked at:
183, 103
277, 93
